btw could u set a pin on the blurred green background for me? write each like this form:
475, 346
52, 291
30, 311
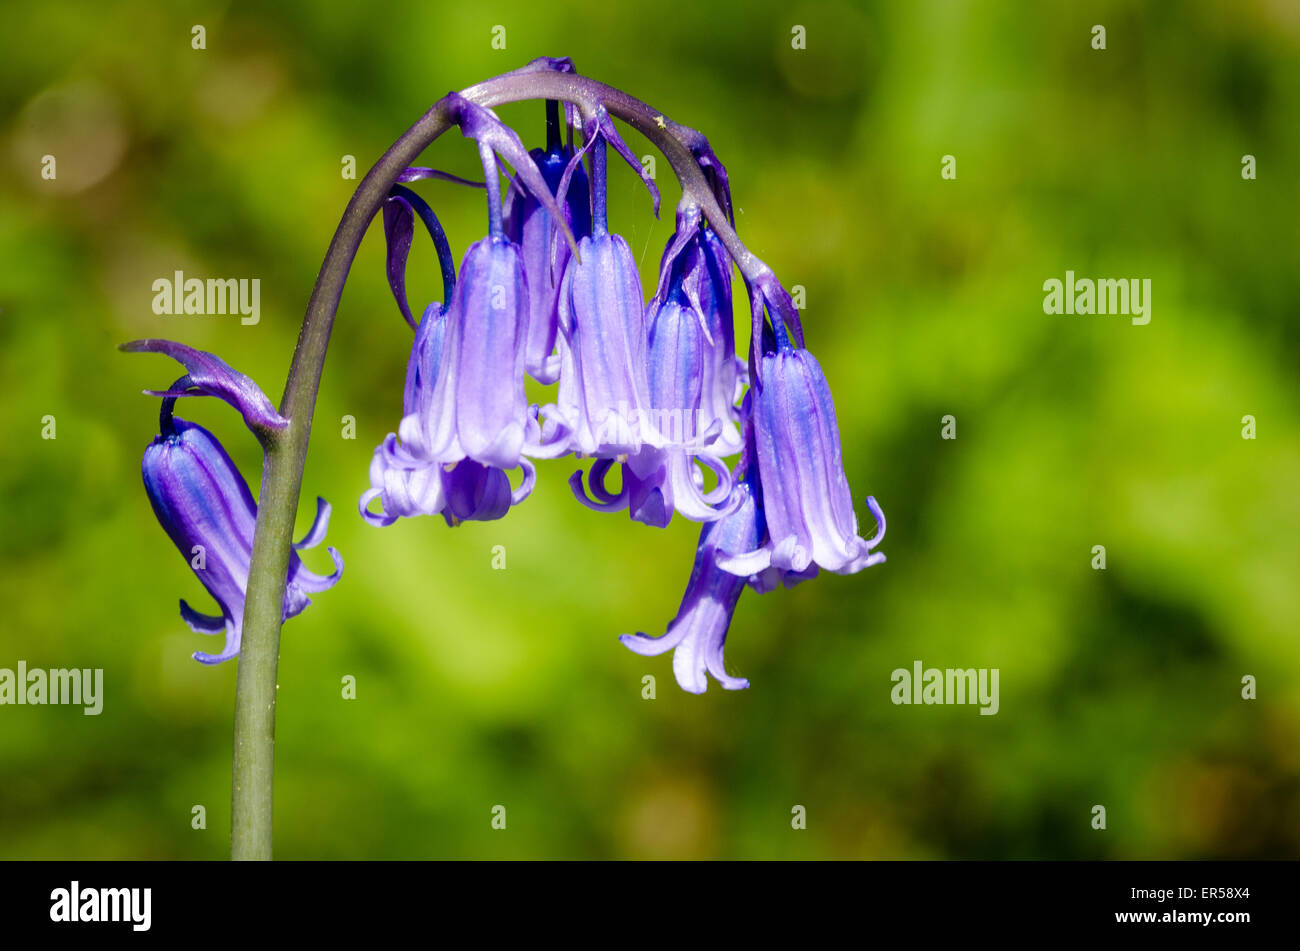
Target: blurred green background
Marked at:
478, 687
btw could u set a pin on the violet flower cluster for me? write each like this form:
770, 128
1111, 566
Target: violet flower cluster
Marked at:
654, 388
651, 387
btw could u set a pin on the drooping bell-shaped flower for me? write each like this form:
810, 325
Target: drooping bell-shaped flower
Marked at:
695, 280
601, 407
690, 360
204, 504
724, 378
529, 225
604, 394
408, 483
478, 409
806, 501
405, 484
698, 633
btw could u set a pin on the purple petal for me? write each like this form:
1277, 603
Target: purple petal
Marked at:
698, 633
477, 407
211, 376
526, 486
425, 360
604, 500
319, 526
532, 228
201, 623
692, 361
807, 505
475, 492
399, 231
230, 651
603, 394
308, 581
406, 487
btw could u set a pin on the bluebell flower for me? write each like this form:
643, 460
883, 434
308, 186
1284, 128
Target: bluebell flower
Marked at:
808, 509
695, 281
699, 632
478, 409
692, 380
408, 482
204, 504
465, 414
733, 553
601, 407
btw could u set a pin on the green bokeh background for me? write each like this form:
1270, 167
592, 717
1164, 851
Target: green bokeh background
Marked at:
478, 687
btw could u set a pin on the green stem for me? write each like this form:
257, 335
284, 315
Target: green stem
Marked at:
286, 451
286, 455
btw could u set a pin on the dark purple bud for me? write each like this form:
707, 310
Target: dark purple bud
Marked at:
206, 508
495, 138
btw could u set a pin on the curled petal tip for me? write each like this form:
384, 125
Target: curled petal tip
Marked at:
648, 646
605, 501
744, 565
209, 375
319, 526
380, 520
213, 659
201, 623
874, 540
